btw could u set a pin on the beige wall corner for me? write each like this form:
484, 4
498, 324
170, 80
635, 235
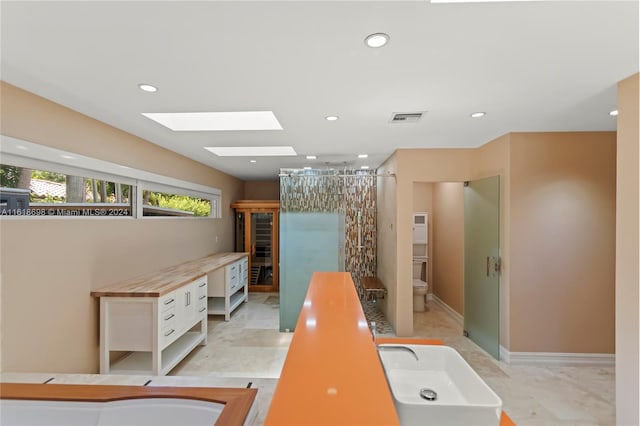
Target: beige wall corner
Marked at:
562, 241
627, 254
448, 244
49, 266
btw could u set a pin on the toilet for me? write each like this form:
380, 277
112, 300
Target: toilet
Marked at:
419, 283
419, 295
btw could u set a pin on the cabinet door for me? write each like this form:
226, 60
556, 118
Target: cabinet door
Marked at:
420, 228
187, 302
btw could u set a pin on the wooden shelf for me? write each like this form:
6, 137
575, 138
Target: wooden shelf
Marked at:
140, 362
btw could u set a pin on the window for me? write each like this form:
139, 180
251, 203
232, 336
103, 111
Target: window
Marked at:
156, 203
32, 192
36, 180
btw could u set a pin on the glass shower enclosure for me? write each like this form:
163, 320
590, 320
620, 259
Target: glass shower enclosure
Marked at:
311, 235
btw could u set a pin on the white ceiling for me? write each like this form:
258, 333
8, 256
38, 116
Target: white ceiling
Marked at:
531, 66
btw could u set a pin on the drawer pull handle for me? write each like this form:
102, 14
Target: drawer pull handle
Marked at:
202, 297
202, 285
166, 302
169, 317
169, 333
202, 309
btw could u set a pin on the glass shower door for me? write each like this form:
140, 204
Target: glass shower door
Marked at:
482, 263
310, 242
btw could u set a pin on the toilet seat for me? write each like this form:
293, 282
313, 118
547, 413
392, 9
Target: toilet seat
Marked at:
419, 286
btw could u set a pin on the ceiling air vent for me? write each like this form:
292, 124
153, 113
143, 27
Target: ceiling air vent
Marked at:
405, 117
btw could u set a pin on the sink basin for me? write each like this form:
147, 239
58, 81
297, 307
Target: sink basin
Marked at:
437, 388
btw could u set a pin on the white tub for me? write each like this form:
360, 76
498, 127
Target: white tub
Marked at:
23, 404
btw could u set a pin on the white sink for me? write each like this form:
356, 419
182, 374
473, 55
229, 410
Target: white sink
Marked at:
461, 396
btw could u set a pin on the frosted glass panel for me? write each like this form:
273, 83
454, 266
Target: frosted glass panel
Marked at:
309, 242
481, 263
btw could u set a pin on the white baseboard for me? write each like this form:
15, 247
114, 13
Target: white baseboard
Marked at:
556, 359
448, 309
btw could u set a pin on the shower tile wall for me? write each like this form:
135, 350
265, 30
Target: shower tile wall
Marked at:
347, 192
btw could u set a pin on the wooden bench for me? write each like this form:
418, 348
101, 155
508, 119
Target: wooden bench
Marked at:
373, 288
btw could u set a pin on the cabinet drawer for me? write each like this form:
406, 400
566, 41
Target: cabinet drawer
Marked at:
168, 316
232, 271
169, 333
201, 309
168, 301
201, 288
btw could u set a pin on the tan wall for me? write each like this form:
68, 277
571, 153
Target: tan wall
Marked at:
386, 236
560, 156
262, 190
423, 202
627, 254
562, 239
49, 266
448, 244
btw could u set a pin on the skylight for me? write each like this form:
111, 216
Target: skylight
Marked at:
251, 151
216, 121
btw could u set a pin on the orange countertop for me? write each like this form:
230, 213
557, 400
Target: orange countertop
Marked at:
161, 282
332, 374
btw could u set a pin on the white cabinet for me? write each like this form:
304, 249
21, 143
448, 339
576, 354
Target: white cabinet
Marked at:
420, 228
228, 288
157, 332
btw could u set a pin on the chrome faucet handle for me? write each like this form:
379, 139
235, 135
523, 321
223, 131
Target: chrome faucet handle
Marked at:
372, 325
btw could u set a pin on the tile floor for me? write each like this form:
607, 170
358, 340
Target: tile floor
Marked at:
249, 348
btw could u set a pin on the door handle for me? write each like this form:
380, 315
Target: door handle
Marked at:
488, 265
497, 265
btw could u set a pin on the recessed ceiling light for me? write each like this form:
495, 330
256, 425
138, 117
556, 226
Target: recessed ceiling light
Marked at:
311, 157
364, 167
212, 121
376, 40
613, 113
306, 168
251, 151
331, 118
478, 114
252, 161
363, 155
147, 87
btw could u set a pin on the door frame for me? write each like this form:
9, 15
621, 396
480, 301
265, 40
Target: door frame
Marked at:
262, 206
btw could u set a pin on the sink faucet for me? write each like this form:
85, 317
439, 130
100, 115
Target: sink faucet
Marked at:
372, 325
397, 348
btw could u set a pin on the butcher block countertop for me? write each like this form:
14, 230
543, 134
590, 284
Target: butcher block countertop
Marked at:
161, 282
